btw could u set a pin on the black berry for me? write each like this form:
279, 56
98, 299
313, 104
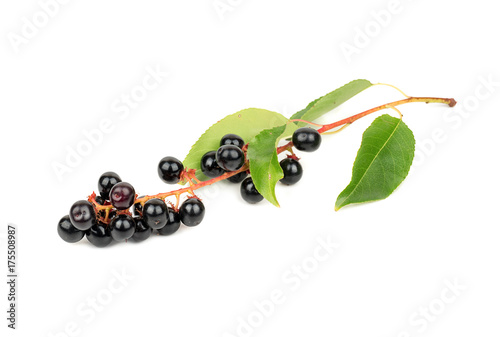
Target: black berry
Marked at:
122, 227
173, 223
169, 170
238, 178
232, 139
292, 171
122, 196
82, 215
306, 139
99, 235
230, 157
209, 165
192, 211
155, 213
249, 193
106, 182
67, 231
142, 230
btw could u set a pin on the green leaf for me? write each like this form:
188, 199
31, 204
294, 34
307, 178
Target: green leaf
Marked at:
263, 158
322, 105
382, 163
245, 123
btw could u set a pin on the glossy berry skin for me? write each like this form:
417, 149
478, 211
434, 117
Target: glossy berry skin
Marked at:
122, 227
142, 230
169, 170
249, 193
122, 196
192, 212
292, 171
99, 235
67, 231
230, 157
238, 178
155, 213
106, 182
82, 215
306, 139
173, 223
232, 139
209, 165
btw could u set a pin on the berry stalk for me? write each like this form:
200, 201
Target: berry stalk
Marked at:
193, 186
349, 120
189, 174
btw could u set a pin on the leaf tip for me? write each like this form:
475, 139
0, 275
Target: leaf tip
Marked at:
339, 203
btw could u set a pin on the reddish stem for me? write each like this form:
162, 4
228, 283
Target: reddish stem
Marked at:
449, 101
193, 187
189, 174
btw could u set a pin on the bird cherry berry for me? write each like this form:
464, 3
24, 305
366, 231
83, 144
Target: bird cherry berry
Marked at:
230, 157
292, 171
306, 139
173, 223
232, 139
249, 193
67, 231
209, 165
192, 212
155, 213
170, 169
122, 196
106, 182
142, 230
82, 215
122, 227
99, 235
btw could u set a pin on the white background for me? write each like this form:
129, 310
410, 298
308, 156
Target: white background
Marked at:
394, 258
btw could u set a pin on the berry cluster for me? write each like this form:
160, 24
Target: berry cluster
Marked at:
118, 214
230, 156
304, 139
